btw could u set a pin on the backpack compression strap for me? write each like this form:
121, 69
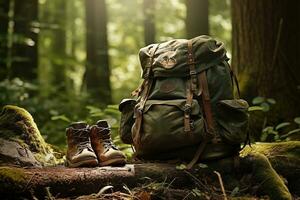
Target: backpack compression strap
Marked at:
209, 125
190, 89
147, 83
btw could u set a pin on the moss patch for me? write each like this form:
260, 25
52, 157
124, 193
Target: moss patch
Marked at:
17, 124
268, 180
290, 149
11, 178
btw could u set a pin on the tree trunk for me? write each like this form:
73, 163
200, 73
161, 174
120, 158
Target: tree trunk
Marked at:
97, 75
197, 18
4, 8
25, 51
149, 21
266, 45
59, 46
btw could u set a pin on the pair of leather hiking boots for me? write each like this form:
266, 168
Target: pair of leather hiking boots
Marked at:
90, 146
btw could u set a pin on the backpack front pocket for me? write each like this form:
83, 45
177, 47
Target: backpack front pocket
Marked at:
163, 126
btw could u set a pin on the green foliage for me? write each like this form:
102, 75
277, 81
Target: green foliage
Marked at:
283, 131
262, 103
54, 114
55, 104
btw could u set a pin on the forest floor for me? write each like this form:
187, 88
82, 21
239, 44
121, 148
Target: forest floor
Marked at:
32, 169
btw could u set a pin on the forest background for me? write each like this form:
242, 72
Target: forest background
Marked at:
74, 60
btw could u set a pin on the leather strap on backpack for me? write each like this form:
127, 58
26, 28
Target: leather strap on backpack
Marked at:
209, 123
191, 88
147, 83
234, 80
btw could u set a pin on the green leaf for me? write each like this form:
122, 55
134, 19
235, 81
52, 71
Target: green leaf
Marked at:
265, 107
290, 133
61, 117
258, 100
282, 125
201, 165
181, 167
254, 108
197, 192
297, 120
268, 129
264, 136
271, 101
235, 191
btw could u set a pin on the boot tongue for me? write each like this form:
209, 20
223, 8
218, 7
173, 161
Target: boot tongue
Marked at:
105, 129
79, 125
102, 124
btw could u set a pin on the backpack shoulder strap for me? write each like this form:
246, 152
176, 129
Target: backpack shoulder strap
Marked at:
234, 80
146, 86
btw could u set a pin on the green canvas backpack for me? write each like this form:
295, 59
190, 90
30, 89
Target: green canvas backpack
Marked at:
185, 107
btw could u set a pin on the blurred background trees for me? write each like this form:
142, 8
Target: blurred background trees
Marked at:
76, 59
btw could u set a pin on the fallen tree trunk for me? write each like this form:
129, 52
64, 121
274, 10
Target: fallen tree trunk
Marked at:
21, 145
65, 182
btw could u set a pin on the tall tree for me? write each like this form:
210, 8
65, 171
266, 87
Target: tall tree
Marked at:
266, 51
149, 21
4, 9
59, 45
197, 18
97, 75
25, 59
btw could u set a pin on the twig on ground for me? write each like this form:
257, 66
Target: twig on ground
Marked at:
221, 184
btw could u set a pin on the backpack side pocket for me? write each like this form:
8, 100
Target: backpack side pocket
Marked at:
232, 117
127, 112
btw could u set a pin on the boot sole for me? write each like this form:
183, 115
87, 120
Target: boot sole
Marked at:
84, 163
113, 162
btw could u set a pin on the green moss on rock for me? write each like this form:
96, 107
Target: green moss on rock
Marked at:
17, 124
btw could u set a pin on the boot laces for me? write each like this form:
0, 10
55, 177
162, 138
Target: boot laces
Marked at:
82, 137
107, 141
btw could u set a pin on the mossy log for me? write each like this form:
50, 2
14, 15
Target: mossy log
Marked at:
21, 144
254, 173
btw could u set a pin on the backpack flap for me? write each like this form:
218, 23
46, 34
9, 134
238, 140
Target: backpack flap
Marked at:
170, 59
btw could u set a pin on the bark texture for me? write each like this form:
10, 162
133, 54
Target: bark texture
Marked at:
266, 51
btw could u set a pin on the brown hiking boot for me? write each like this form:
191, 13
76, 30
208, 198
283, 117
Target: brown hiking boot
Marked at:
102, 144
80, 152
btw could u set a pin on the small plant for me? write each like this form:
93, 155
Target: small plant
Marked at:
280, 132
264, 105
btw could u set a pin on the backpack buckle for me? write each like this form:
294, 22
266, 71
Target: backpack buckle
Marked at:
187, 108
193, 72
